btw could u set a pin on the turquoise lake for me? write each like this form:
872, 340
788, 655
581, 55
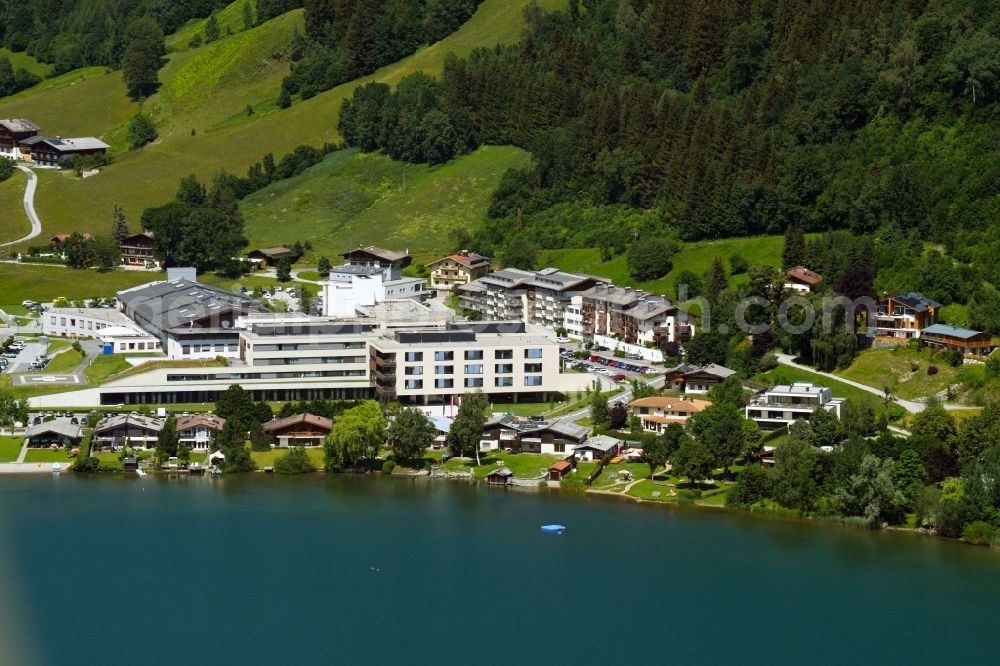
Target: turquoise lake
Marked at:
266, 570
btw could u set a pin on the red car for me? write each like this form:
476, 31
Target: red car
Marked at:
618, 378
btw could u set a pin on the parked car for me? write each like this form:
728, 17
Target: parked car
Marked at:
28, 304
619, 377
9, 354
562, 340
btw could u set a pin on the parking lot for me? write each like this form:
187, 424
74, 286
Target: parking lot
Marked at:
22, 362
605, 363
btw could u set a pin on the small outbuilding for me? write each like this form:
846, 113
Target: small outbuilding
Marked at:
499, 477
130, 464
559, 469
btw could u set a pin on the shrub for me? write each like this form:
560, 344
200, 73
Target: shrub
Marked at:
932, 370
737, 264
388, 466
978, 533
88, 465
294, 462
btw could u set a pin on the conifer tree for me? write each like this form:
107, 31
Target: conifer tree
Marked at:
794, 252
119, 228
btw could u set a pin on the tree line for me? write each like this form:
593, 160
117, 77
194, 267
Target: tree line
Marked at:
346, 39
77, 33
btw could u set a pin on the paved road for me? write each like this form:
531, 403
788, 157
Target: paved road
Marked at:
29, 207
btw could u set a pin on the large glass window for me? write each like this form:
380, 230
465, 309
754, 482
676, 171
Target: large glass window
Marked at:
504, 354
474, 382
533, 381
503, 381
414, 357
444, 356
444, 369
532, 353
532, 367
444, 383
414, 384
503, 368
413, 370
476, 369
474, 355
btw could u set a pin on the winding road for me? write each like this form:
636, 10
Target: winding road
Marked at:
29, 207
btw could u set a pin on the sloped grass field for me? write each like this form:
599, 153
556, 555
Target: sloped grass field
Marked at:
353, 197
207, 85
229, 18
84, 102
150, 176
13, 222
904, 369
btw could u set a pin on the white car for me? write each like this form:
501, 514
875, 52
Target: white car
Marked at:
562, 340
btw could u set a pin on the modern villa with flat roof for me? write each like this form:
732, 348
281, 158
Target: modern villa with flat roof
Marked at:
785, 404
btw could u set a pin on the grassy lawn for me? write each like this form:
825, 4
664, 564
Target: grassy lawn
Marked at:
66, 362
45, 283
208, 88
104, 366
10, 448
110, 458
696, 257
903, 368
520, 408
268, 458
56, 345
47, 455
611, 477
13, 221
353, 198
524, 465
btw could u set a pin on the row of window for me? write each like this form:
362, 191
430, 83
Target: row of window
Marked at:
309, 361
472, 355
307, 346
470, 382
472, 369
238, 376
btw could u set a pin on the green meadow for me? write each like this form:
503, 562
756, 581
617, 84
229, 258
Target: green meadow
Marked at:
353, 197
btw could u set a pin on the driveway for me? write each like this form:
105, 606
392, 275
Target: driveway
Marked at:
29, 207
909, 405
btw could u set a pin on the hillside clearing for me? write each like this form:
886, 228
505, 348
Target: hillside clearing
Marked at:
352, 198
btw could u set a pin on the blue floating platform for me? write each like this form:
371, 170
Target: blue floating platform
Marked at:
554, 528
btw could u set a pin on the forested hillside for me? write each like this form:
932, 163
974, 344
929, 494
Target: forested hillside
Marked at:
76, 33
731, 118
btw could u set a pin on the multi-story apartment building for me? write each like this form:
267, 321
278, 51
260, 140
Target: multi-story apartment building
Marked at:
786, 403
549, 297
633, 316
